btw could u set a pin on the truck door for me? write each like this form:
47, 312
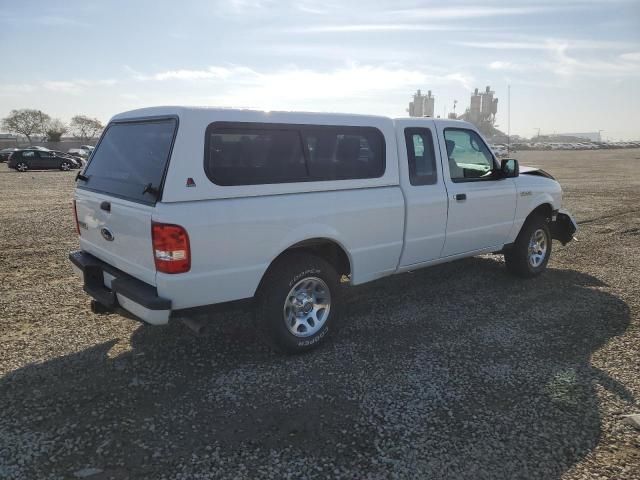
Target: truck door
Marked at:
481, 204
424, 192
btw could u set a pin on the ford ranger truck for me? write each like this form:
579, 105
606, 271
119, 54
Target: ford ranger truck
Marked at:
183, 210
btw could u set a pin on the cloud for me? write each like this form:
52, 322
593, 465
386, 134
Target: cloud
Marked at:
210, 73
72, 87
543, 43
633, 57
561, 63
298, 87
311, 7
462, 79
510, 66
564, 64
377, 27
467, 11
497, 45
58, 21
500, 65
62, 86
44, 20
76, 86
16, 89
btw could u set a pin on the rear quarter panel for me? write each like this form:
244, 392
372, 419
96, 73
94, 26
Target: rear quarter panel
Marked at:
233, 241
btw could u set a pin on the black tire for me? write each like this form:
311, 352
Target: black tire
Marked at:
65, 166
517, 257
282, 277
22, 167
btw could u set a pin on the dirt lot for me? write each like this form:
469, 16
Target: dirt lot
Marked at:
458, 371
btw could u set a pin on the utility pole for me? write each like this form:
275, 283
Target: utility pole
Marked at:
538, 129
508, 118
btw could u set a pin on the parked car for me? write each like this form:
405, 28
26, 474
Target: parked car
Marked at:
34, 159
75, 161
79, 152
5, 153
499, 150
289, 208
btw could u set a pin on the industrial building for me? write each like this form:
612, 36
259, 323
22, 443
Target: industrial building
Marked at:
422, 105
482, 110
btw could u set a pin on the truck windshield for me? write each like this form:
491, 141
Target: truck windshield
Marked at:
130, 160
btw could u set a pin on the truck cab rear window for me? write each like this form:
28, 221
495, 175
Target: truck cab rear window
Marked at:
131, 159
250, 154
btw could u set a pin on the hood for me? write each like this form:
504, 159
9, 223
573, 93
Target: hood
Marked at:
535, 171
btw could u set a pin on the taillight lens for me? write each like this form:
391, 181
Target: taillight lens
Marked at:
75, 217
171, 250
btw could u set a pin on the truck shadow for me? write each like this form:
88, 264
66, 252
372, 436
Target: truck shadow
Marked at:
458, 371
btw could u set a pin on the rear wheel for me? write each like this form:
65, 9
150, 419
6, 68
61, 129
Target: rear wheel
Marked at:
529, 255
65, 166
297, 304
22, 167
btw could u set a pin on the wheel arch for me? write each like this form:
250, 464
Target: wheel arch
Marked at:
545, 209
328, 249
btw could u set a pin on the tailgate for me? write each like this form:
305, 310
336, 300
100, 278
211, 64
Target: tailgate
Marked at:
117, 190
117, 232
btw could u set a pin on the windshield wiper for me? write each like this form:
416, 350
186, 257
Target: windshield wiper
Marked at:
149, 188
82, 177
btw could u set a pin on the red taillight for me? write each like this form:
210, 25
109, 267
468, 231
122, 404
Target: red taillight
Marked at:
171, 250
75, 217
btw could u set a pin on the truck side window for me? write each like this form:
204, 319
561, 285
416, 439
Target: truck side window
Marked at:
261, 153
343, 152
469, 157
421, 156
244, 156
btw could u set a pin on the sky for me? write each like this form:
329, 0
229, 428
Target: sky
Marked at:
573, 66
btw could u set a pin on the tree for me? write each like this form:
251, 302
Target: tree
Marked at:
55, 129
85, 128
26, 122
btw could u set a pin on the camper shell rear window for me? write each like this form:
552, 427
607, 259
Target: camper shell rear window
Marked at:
131, 158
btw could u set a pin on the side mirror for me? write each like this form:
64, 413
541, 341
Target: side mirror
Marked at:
509, 168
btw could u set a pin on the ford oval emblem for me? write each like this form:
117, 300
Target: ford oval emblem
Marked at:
106, 234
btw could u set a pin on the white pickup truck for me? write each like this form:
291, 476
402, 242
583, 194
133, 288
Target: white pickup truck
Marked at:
181, 208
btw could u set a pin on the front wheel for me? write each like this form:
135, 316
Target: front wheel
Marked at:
297, 304
65, 166
529, 255
22, 167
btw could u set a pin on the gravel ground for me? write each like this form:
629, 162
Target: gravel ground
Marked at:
458, 371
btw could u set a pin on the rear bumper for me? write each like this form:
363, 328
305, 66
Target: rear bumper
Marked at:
563, 226
115, 289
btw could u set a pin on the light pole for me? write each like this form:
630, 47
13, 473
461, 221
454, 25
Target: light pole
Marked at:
508, 118
538, 129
